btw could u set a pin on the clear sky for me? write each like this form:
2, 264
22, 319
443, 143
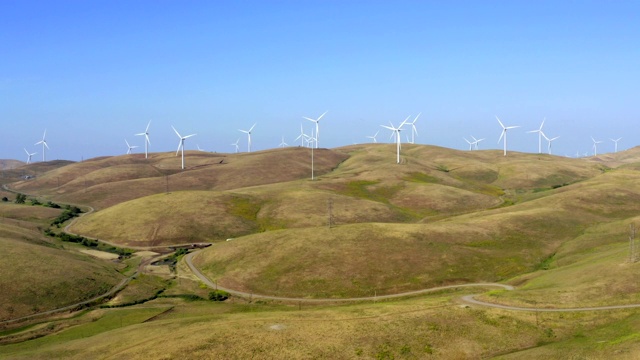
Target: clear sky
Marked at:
95, 72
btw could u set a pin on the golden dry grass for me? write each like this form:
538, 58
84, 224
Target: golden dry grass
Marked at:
37, 277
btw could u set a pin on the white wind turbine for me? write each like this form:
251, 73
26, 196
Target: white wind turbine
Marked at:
44, 144
282, 143
396, 131
236, 145
595, 146
181, 143
616, 142
540, 135
476, 141
29, 155
248, 132
374, 137
504, 134
470, 144
317, 121
146, 140
129, 147
198, 146
549, 142
414, 131
301, 137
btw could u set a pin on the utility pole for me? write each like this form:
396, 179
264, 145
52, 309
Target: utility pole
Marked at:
632, 244
330, 208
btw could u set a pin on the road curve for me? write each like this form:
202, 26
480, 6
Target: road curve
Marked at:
189, 257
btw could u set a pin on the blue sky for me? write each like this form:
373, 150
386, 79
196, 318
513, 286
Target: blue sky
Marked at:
95, 72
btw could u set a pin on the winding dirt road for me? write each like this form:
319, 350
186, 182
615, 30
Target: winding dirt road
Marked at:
469, 299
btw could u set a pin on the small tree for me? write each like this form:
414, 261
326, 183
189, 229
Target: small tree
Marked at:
5, 199
20, 198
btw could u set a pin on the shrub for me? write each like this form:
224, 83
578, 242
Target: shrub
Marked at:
218, 295
35, 202
20, 198
5, 199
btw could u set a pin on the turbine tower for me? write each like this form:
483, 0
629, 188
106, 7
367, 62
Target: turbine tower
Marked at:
146, 140
129, 147
181, 143
396, 131
504, 134
374, 137
540, 135
29, 155
248, 132
317, 121
44, 144
616, 142
595, 146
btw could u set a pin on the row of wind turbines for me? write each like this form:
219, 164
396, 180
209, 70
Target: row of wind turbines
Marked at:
312, 140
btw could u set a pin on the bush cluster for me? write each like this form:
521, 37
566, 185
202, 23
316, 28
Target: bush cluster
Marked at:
69, 213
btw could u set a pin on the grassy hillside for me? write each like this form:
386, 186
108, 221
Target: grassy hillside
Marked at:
39, 278
422, 327
104, 182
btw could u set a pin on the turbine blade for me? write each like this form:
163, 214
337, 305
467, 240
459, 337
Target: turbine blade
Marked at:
147, 129
304, 117
501, 124
188, 136
179, 143
320, 117
177, 133
254, 125
502, 134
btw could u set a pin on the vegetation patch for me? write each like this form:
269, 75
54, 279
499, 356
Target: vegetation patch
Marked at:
421, 178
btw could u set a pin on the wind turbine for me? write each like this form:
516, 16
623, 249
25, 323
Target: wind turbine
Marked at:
248, 132
476, 141
540, 135
396, 130
595, 146
282, 143
198, 146
414, 131
146, 140
470, 144
129, 147
181, 143
549, 142
616, 141
44, 144
317, 121
236, 145
301, 137
374, 137
504, 134
29, 155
